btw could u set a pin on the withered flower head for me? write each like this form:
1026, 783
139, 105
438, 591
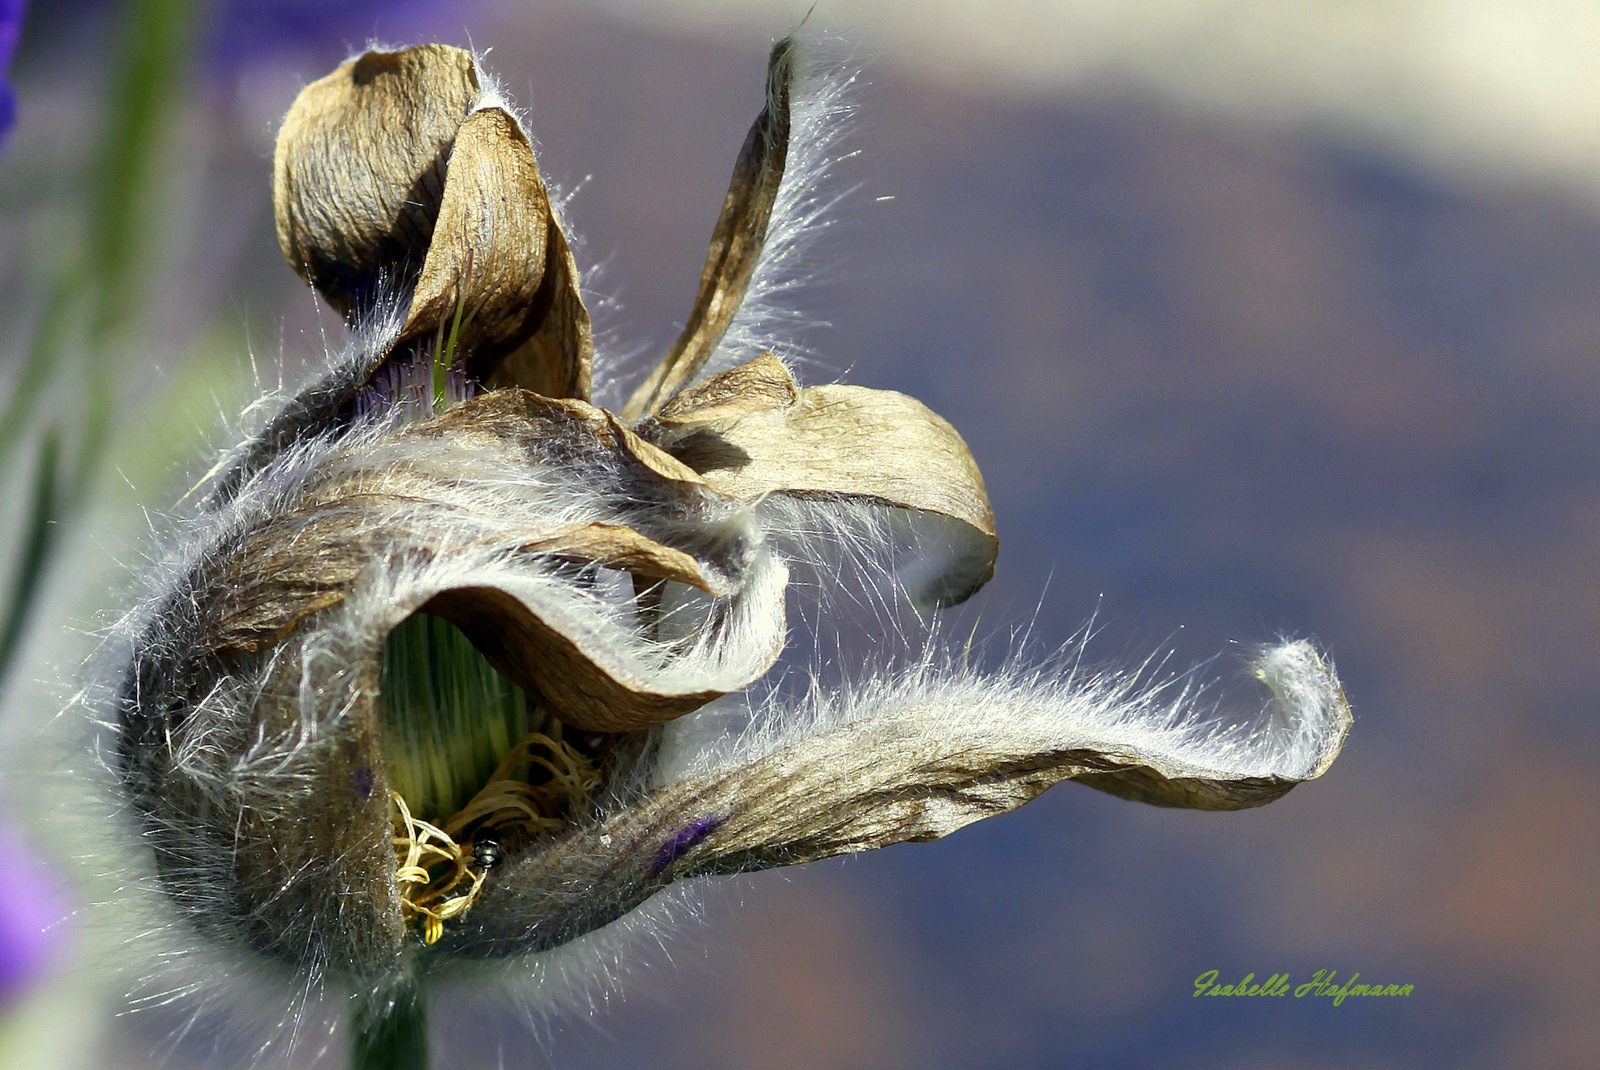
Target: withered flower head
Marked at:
426, 680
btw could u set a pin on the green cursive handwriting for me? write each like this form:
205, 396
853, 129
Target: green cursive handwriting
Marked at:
1323, 983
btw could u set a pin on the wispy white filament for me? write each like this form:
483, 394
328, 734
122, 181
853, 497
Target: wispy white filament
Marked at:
1039, 709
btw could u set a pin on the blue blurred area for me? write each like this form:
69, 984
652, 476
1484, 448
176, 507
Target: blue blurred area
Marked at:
30, 936
11, 12
241, 32
244, 31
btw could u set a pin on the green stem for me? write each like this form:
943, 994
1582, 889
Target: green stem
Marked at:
154, 41
102, 286
35, 551
45, 350
394, 1035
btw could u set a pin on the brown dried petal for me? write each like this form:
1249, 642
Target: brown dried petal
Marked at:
577, 674
291, 809
360, 166
487, 256
751, 432
499, 258
535, 421
736, 242
413, 497
556, 361
916, 765
759, 385
620, 547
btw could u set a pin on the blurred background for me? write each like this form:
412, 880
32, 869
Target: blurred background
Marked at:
1258, 318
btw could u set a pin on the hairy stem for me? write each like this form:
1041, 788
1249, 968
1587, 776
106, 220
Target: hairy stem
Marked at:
392, 1036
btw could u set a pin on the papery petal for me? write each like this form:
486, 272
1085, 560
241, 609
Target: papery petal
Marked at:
396, 171
499, 277
265, 808
752, 433
736, 242
914, 758
486, 257
251, 707
758, 386
557, 359
359, 169
495, 478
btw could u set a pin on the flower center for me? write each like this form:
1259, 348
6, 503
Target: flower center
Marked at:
475, 767
420, 379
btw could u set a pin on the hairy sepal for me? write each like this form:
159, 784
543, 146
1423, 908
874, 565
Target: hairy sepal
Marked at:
914, 755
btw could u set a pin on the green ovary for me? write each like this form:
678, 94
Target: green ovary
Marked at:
448, 717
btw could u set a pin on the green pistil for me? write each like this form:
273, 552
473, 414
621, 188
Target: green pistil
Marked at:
448, 717
444, 350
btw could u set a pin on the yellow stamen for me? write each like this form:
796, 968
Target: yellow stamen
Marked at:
437, 876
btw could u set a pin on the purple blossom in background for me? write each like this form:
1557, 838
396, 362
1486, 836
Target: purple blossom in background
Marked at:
242, 30
10, 30
236, 33
28, 938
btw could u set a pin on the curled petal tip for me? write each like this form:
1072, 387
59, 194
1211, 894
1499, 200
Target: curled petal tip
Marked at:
397, 175
1308, 706
352, 201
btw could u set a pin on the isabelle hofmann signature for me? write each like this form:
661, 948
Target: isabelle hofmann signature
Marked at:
1325, 983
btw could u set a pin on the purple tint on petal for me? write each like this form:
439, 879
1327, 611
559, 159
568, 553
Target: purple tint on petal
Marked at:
686, 838
30, 908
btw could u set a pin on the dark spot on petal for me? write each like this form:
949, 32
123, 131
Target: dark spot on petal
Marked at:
686, 838
364, 782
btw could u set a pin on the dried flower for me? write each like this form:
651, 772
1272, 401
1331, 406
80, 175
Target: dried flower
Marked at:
435, 674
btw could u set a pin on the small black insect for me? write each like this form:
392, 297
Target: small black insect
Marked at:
485, 849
